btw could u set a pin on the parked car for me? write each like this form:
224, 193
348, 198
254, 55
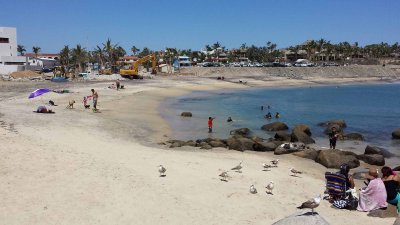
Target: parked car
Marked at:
47, 70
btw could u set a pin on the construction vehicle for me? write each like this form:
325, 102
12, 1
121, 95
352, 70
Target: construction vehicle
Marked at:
133, 72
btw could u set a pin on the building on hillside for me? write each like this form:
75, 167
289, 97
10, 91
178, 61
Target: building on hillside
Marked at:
293, 56
9, 61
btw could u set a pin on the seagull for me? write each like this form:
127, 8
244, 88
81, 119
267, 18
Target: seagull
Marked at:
161, 170
275, 162
253, 190
311, 204
224, 176
266, 166
238, 167
270, 187
295, 172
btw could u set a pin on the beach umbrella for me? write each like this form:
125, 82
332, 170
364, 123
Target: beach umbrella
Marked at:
39, 92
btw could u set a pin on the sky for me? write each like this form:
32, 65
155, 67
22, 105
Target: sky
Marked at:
185, 24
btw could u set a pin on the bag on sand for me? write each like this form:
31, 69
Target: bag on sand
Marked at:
351, 203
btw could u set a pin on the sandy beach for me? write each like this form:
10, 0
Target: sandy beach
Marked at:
80, 167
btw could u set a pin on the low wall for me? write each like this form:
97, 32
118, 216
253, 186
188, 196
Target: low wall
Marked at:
7, 69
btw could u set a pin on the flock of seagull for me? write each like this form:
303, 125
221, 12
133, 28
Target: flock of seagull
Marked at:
310, 204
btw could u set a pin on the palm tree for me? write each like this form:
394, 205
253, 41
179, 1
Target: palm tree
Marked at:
65, 56
108, 48
98, 53
79, 55
36, 50
21, 49
135, 50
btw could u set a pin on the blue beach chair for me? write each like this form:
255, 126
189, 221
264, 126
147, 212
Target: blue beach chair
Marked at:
335, 186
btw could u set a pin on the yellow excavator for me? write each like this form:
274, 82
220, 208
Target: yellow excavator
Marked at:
134, 71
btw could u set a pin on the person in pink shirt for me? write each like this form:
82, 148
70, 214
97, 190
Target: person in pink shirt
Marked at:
374, 195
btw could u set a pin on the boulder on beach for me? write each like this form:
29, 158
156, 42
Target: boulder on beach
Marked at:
190, 143
372, 159
176, 143
265, 146
240, 143
275, 126
302, 128
282, 136
371, 149
328, 129
240, 131
334, 158
288, 148
186, 114
396, 134
302, 218
353, 136
217, 143
307, 154
300, 136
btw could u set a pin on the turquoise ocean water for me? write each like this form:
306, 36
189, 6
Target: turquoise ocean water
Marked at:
372, 110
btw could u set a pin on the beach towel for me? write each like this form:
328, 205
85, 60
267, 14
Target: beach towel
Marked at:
373, 196
336, 185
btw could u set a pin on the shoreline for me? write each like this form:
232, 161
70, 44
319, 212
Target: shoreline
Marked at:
80, 167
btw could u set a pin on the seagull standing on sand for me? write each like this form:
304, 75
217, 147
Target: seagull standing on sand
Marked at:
253, 190
295, 172
275, 162
270, 187
161, 170
224, 176
238, 167
266, 166
311, 204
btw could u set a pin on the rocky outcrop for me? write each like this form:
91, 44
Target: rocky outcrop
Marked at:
241, 131
341, 123
239, 143
372, 159
217, 144
282, 136
265, 146
302, 218
396, 134
176, 143
275, 126
288, 148
333, 158
302, 133
353, 136
307, 154
371, 149
186, 114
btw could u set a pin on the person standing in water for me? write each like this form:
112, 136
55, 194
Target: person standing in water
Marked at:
210, 124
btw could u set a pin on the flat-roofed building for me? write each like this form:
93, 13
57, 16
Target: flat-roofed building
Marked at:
9, 61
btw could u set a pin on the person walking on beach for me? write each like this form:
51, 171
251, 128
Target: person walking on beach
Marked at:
333, 136
210, 124
95, 96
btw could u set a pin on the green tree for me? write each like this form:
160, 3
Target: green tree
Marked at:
135, 50
79, 57
65, 55
21, 49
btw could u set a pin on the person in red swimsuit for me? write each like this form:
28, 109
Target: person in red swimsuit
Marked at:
210, 124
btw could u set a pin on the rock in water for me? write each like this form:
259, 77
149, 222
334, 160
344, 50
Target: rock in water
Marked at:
353, 136
186, 114
339, 122
241, 131
276, 126
302, 218
371, 149
396, 134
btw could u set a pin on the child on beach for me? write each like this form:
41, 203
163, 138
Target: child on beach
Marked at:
210, 124
85, 102
333, 135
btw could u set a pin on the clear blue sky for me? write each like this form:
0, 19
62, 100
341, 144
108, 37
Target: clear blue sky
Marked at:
192, 24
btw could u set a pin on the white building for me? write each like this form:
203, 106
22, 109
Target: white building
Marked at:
9, 61
184, 61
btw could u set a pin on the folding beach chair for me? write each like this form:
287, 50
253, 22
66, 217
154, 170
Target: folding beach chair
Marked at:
335, 185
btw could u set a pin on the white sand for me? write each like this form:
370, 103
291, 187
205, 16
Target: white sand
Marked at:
79, 167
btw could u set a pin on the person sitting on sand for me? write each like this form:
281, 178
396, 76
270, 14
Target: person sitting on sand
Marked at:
229, 119
344, 170
392, 183
43, 109
374, 195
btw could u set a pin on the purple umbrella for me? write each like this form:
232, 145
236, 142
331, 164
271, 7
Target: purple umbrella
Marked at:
38, 92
